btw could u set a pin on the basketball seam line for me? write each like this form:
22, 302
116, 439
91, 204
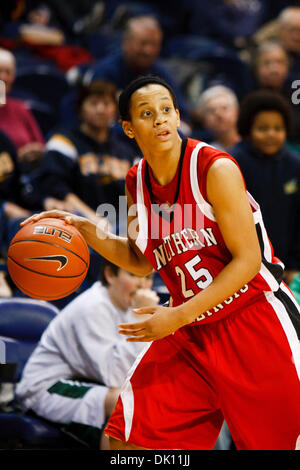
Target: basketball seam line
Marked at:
52, 244
45, 274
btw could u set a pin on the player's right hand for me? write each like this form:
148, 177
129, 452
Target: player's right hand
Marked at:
68, 217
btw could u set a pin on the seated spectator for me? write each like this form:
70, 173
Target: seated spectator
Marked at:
270, 30
15, 118
21, 147
285, 28
288, 31
11, 199
271, 66
74, 375
271, 70
217, 111
272, 171
141, 48
52, 22
86, 166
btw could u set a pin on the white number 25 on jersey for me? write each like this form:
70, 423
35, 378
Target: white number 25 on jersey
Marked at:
202, 276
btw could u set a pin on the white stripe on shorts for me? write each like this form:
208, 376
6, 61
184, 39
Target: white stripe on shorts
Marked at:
286, 324
127, 396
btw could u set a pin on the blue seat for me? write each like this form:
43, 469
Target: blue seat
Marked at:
22, 322
46, 83
102, 44
45, 116
160, 288
217, 64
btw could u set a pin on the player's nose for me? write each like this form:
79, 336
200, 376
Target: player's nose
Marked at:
160, 118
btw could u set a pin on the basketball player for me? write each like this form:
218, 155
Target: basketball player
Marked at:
228, 344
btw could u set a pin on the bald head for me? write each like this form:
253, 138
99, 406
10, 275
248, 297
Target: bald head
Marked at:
7, 68
289, 29
142, 42
287, 14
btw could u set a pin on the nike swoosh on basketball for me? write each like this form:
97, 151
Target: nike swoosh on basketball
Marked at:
60, 258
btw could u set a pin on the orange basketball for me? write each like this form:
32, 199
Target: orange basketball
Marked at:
48, 259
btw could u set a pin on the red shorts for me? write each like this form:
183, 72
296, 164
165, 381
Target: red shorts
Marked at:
244, 368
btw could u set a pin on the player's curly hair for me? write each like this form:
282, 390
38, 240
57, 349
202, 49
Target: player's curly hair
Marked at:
262, 100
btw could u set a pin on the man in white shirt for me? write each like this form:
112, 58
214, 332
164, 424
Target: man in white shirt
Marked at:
74, 374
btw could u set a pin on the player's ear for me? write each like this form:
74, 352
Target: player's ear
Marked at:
127, 128
178, 117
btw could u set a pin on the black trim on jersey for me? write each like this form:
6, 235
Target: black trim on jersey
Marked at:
166, 214
291, 309
275, 269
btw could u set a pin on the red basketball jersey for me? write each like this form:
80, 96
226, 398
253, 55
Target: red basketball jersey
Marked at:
184, 243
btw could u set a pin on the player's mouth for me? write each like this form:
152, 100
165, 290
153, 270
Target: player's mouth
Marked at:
163, 135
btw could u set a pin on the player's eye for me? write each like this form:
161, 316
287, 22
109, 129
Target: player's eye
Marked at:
146, 113
167, 109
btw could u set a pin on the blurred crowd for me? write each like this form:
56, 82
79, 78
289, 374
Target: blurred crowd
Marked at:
234, 66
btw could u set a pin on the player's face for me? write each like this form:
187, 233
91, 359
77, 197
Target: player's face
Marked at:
98, 111
154, 119
268, 132
123, 288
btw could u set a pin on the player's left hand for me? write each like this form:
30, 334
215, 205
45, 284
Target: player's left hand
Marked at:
163, 322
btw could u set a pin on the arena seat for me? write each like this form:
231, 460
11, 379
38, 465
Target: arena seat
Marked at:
217, 64
47, 84
22, 322
101, 44
44, 114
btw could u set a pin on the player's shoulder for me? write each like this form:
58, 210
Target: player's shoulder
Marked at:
209, 158
132, 172
207, 154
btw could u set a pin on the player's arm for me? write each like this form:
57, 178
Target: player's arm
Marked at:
121, 251
226, 193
